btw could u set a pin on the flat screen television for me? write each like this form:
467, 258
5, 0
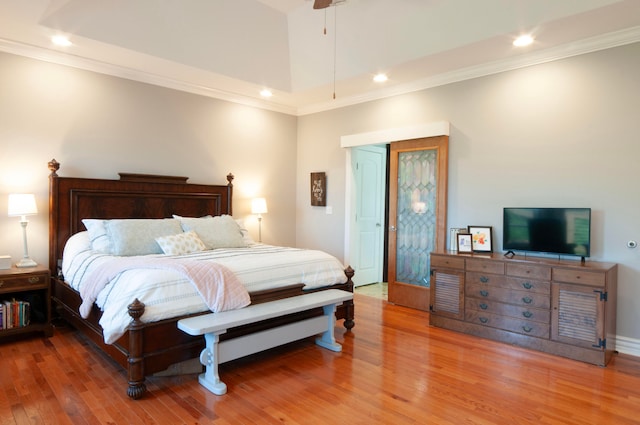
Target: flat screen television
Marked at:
563, 231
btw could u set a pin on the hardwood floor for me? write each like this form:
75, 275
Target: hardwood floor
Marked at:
400, 372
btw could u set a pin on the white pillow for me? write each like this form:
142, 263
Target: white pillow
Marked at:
246, 237
77, 243
138, 236
98, 237
181, 243
216, 232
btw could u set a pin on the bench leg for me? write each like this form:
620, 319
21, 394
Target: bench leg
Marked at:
210, 379
326, 340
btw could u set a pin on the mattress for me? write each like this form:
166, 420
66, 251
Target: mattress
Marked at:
167, 293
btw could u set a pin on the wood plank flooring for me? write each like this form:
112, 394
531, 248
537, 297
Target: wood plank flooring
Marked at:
394, 369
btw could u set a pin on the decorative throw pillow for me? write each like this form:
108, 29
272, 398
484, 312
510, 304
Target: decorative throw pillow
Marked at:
181, 243
216, 232
98, 237
138, 236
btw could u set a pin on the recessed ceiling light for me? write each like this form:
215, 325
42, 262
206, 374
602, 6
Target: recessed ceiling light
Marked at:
266, 93
523, 40
380, 78
60, 40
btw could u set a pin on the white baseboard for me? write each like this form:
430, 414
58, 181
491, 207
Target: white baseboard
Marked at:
630, 346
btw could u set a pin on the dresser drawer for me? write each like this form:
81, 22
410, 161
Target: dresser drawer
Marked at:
521, 298
447, 261
486, 279
531, 271
23, 283
525, 327
583, 277
495, 267
501, 281
514, 311
529, 285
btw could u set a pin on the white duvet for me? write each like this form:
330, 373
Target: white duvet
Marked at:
167, 293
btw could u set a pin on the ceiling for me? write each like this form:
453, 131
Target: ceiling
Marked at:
232, 49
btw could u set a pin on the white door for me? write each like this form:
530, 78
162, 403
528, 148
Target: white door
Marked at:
368, 166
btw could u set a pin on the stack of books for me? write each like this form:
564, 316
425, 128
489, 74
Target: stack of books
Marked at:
14, 314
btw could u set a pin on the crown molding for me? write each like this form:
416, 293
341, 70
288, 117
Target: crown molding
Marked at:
66, 59
606, 41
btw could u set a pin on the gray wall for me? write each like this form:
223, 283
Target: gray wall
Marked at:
97, 126
565, 133
562, 133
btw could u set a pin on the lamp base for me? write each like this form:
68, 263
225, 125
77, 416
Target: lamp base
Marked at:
26, 262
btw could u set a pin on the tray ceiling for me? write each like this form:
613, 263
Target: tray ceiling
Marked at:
232, 49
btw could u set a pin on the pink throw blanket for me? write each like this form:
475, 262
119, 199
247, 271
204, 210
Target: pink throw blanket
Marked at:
218, 286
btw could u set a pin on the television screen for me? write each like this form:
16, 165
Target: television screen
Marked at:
550, 230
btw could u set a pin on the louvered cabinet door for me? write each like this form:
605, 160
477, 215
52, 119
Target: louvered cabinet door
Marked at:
447, 293
578, 315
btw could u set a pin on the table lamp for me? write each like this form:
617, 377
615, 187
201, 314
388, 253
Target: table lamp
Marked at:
22, 205
259, 206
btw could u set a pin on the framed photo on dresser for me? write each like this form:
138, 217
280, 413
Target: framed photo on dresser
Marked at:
481, 240
464, 242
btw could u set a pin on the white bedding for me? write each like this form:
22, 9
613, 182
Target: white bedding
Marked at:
168, 294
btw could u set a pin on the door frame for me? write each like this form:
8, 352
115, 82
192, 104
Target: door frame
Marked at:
379, 137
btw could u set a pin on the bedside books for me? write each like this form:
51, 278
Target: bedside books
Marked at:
14, 314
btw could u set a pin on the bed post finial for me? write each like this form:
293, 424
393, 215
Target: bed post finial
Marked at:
230, 178
53, 167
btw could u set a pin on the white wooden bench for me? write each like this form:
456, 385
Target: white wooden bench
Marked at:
214, 324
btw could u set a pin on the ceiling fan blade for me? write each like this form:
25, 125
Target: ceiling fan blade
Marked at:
321, 4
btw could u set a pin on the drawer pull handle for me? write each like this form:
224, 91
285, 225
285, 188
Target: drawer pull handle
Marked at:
527, 314
483, 319
484, 293
484, 306
484, 279
527, 300
1, 283
34, 279
527, 329
527, 285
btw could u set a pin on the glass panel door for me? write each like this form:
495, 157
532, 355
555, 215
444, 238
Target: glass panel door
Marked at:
417, 216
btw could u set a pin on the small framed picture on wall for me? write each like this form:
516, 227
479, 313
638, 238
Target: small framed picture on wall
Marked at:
464, 242
319, 189
481, 240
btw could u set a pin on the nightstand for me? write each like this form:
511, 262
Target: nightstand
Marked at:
32, 285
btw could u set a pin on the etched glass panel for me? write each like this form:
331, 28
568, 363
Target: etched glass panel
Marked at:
416, 215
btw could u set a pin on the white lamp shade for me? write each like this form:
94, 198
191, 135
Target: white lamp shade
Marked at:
22, 204
259, 206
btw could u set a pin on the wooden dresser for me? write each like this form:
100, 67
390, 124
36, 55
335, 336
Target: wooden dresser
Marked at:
560, 307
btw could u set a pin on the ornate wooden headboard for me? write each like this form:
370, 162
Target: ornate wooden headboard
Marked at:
132, 196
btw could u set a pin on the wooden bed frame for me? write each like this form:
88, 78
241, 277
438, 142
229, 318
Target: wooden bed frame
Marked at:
147, 348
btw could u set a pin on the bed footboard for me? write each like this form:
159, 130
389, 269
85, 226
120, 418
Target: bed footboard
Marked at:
139, 360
